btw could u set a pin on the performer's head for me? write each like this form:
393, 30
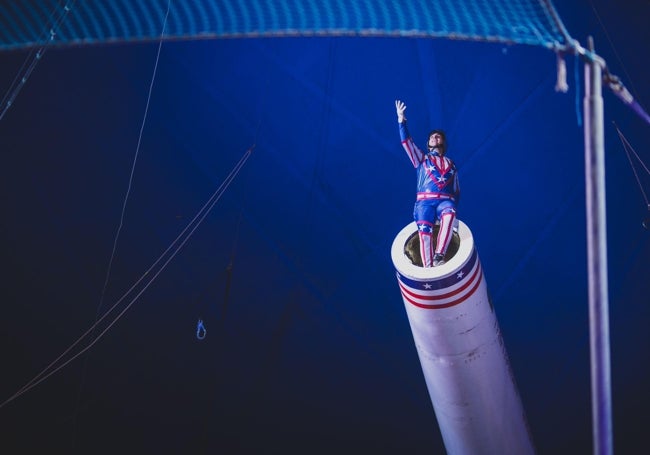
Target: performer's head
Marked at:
437, 141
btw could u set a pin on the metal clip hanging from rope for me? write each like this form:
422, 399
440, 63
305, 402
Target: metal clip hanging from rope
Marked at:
201, 331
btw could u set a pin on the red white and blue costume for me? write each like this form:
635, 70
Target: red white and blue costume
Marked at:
438, 192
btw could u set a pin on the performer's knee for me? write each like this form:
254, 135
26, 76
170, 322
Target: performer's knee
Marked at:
448, 211
424, 226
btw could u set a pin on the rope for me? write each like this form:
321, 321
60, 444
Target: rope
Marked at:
176, 245
126, 197
135, 159
229, 268
576, 77
611, 43
628, 148
19, 81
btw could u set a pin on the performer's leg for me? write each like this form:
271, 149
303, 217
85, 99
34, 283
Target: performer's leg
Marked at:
447, 215
423, 214
425, 231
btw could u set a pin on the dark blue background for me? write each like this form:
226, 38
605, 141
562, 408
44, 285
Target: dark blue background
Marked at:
308, 347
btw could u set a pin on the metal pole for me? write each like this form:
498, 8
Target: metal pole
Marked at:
597, 258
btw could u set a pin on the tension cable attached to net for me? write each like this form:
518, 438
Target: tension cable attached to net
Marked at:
628, 149
33, 58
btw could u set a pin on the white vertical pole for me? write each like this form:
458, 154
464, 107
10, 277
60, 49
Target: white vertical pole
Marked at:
597, 258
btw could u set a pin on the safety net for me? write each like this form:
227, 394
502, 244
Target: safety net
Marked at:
32, 23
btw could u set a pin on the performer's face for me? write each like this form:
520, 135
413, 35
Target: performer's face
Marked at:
436, 141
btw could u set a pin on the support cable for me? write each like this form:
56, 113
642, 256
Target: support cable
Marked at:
173, 249
126, 196
628, 148
35, 55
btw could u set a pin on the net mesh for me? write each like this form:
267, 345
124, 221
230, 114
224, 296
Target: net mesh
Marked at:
30, 23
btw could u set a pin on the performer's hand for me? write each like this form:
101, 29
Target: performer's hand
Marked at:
400, 107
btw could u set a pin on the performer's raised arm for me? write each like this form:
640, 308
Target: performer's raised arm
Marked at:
414, 153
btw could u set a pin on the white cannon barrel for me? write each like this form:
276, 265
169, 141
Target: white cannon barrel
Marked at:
461, 349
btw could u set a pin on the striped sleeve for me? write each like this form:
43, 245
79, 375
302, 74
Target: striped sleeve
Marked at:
414, 153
